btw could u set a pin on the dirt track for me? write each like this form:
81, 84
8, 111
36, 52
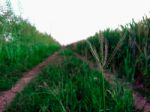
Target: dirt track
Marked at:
7, 96
140, 102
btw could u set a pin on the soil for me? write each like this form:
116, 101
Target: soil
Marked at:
7, 97
140, 102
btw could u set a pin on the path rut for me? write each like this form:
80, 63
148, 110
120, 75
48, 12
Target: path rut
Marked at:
7, 97
140, 102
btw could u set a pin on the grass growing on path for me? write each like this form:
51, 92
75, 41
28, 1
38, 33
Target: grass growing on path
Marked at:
70, 86
131, 61
18, 57
22, 47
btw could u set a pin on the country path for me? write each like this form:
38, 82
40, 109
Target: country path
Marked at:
7, 97
140, 102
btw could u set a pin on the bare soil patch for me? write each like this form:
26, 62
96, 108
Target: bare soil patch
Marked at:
7, 97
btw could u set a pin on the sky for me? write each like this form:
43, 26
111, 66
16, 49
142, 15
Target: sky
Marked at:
72, 20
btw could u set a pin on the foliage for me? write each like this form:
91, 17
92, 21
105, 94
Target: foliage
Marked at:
21, 47
132, 50
66, 52
70, 86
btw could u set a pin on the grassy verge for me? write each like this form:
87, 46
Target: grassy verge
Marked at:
22, 47
131, 60
70, 86
12, 68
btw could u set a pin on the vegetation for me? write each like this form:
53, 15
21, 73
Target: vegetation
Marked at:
71, 86
21, 47
128, 51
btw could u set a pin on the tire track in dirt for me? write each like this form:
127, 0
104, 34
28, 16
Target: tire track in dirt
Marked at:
7, 97
140, 102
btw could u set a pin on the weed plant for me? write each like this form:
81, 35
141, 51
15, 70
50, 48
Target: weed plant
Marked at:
21, 47
71, 86
132, 51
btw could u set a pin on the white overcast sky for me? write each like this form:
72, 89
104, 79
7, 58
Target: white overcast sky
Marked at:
72, 20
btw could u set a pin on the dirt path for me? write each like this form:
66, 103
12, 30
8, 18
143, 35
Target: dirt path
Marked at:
7, 96
140, 102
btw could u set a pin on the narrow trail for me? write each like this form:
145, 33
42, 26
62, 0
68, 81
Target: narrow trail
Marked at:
140, 102
7, 97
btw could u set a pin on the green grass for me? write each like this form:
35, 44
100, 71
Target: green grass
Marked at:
70, 86
66, 52
22, 47
132, 57
17, 59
